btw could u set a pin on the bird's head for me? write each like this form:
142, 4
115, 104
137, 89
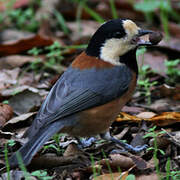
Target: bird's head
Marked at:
114, 39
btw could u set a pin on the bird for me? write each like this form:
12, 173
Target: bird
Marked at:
89, 95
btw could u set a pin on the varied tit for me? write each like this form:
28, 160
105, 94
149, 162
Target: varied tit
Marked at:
89, 95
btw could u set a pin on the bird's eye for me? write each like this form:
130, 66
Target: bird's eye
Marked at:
117, 35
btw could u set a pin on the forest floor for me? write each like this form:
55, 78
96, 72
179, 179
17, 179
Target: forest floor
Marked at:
40, 39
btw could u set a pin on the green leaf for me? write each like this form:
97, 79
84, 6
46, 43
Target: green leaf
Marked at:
61, 21
131, 177
147, 6
11, 142
161, 151
94, 15
152, 129
5, 102
36, 173
150, 148
149, 135
168, 167
113, 9
140, 51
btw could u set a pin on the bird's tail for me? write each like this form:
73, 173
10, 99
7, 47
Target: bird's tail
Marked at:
28, 150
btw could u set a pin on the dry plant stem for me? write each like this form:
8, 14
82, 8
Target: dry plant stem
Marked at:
172, 139
123, 132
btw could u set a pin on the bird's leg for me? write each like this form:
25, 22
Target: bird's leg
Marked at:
126, 146
83, 142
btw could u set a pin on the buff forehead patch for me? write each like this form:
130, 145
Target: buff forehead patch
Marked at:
130, 27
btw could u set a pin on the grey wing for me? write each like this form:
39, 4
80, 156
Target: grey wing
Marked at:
75, 92
60, 103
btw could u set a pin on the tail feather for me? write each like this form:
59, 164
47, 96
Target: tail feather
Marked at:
35, 143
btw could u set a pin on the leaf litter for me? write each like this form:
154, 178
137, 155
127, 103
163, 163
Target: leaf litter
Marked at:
22, 91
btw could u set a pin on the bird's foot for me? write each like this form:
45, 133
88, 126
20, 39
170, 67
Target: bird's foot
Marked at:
84, 143
125, 146
136, 149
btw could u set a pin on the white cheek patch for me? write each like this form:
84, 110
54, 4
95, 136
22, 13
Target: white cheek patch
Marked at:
113, 49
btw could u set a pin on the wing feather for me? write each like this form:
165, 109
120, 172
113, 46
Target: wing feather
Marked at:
76, 91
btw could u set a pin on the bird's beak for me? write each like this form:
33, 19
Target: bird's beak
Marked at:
138, 39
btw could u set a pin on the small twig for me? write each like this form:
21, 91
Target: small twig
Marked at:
122, 133
172, 138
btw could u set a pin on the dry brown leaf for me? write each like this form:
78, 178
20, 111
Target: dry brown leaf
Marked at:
6, 113
25, 101
145, 115
13, 61
127, 117
139, 162
71, 150
8, 78
22, 117
55, 161
166, 118
111, 176
163, 119
172, 92
132, 109
115, 176
25, 44
118, 160
152, 176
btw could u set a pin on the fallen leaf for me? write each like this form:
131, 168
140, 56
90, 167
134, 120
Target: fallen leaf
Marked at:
152, 176
25, 101
13, 61
8, 78
166, 118
6, 113
22, 117
163, 119
15, 90
127, 117
139, 162
145, 115
55, 161
72, 149
117, 160
24, 44
161, 105
171, 92
9, 35
132, 109
110, 176
115, 176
